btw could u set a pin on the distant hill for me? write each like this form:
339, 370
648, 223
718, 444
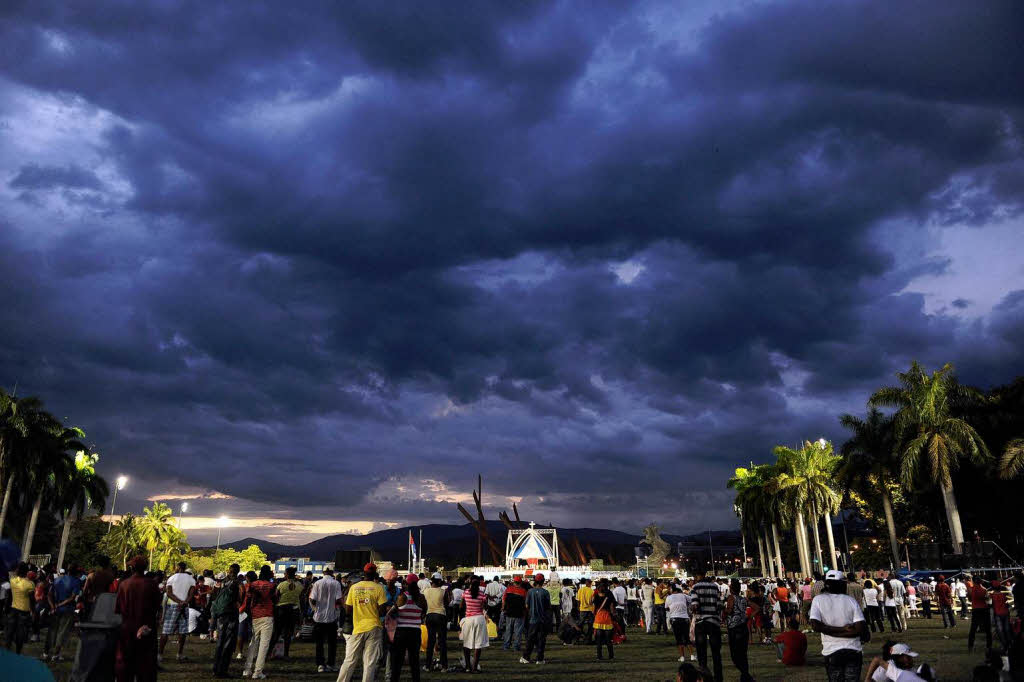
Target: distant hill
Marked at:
452, 545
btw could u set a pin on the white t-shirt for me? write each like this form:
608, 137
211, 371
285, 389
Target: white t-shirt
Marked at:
870, 596
891, 672
647, 595
494, 590
180, 584
723, 590
325, 592
620, 595
678, 605
836, 610
457, 595
961, 590
193, 620
898, 590
423, 585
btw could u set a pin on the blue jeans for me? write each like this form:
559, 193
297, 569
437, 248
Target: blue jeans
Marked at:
513, 631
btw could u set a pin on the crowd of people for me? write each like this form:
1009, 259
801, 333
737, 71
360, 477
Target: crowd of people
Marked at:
385, 621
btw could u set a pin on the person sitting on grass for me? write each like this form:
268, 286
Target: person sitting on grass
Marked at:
688, 672
792, 644
570, 631
898, 663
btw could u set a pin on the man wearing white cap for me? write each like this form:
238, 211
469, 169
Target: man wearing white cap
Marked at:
901, 666
837, 616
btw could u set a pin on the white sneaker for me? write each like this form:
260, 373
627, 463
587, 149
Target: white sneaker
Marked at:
246, 673
541, 662
259, 676
238, 656
321, 668
693, 657
682, 659
523, 660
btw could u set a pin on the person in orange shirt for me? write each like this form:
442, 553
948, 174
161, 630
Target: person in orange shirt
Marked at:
981, 614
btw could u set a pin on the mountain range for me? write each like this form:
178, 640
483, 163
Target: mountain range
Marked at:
452, 544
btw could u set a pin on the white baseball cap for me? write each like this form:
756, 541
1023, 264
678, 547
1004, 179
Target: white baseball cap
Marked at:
902, 650
835, 575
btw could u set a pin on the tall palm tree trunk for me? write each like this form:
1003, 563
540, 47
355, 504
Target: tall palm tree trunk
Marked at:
64, 536
801, 543
833, 558
890, 525
778, 551
30, 530
817, 541
953, 517
6, 503
769, 559
760, 552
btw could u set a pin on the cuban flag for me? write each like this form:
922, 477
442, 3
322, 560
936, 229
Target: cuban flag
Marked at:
412, 547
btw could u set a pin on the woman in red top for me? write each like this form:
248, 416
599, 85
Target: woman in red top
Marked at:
474, 625
259, 602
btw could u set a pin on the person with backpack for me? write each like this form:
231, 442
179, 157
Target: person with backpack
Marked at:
224, 609
736, 626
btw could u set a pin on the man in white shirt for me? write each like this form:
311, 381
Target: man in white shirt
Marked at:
619, 592
677, 605
837, 616
494, 592
324, 597
179, 589
899, 668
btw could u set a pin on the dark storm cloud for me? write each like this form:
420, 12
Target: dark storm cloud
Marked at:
384, 242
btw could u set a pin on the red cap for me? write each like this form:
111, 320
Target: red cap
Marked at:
411, 578
518, 579
370, 568
31, 575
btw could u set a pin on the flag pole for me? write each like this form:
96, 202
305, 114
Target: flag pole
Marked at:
420, 548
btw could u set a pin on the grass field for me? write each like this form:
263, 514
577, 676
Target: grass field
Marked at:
643, 657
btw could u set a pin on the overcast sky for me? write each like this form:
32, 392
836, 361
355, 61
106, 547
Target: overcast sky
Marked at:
314, 269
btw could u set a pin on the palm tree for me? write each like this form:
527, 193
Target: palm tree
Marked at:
123, 539
1012, 461
751, 505
869, 464
16, 417
51, 463
928, 434
805, 480
84, 488
155, 528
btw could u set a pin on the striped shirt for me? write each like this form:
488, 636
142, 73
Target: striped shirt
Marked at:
709, 602
474, 606
410, 615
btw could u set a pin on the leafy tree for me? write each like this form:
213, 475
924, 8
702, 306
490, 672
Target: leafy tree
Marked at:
223, 558
123, 541
253, 558
51, 465
85, 540
931, 437
82, 488
1012, 461
805, 482
16, 416
869, 464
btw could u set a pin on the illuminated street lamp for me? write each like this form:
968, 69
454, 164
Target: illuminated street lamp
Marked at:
184, 508
221, 522
122, 481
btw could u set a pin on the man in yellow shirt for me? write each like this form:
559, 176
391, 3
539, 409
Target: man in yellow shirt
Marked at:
661, 592
19, 617
585, 596
365, 602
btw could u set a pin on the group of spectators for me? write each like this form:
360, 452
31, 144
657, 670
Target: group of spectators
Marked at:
383, 621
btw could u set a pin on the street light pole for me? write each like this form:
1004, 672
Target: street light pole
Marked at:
184, 508
220, 524
121, 482
711, 547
